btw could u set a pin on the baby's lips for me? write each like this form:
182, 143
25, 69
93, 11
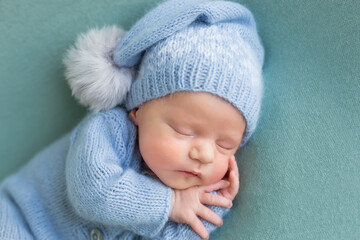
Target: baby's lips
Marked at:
190, 173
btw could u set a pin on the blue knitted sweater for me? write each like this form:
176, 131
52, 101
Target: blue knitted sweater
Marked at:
92, 178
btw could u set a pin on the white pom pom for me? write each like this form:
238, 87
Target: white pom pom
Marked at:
95, 80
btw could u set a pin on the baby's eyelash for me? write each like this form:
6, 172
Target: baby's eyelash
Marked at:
226, 148
181, 132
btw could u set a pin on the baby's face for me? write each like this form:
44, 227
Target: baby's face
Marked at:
187, 138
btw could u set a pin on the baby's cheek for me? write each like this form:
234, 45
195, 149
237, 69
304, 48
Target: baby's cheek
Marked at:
218, 172
158, 151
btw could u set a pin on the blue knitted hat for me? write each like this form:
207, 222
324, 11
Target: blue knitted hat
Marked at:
187, 45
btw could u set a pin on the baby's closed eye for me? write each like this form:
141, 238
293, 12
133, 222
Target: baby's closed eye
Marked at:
182, 130
227, 145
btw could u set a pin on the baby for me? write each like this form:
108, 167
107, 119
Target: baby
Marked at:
173, 100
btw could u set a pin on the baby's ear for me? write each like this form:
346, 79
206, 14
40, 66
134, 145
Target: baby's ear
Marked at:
133, 115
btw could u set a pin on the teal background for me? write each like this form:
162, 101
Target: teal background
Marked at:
299, 173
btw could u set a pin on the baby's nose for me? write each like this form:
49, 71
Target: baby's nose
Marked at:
203, 152
206, 157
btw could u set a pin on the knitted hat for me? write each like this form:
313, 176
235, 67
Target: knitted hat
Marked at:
187, 45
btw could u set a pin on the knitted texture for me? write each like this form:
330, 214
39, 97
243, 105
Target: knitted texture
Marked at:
209, 46
90, 179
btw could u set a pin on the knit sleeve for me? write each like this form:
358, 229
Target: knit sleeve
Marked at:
102, 186
179, 231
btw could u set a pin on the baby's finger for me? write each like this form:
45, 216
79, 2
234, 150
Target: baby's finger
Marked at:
215, 200
233, 178
198, 227
208, 215
234, 186
216, 186
233, 166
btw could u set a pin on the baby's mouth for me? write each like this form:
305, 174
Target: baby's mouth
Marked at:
190, 173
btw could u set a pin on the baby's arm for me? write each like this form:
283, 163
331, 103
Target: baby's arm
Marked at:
101, 186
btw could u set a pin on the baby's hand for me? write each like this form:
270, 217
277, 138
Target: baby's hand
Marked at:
233, 177
189, 204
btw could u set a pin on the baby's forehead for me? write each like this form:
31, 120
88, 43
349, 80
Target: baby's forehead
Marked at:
197, 109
